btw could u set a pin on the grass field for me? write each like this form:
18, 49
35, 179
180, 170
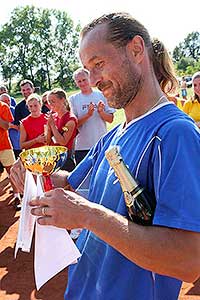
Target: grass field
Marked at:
119, 117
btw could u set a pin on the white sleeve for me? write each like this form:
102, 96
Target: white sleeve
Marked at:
73, 105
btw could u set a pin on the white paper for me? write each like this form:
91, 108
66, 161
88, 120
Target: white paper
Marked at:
27, 221
54, 249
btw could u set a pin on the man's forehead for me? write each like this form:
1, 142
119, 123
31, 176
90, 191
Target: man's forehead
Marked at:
92, 44
26, 85
81, 75
97, 34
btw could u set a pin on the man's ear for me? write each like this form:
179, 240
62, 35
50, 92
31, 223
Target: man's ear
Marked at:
137, 48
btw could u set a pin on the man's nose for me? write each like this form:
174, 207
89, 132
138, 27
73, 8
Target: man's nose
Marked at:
95, 77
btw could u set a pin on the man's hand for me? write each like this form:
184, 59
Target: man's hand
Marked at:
50, 120
100, 107
41, 138
60, 208
17, 175
91, 109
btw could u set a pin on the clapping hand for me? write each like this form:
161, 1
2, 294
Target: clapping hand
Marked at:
50, 120
41, 138
100, 106
91, 109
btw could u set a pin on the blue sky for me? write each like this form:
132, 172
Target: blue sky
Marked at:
170, 20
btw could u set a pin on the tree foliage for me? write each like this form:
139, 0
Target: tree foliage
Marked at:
187, 54
39, 44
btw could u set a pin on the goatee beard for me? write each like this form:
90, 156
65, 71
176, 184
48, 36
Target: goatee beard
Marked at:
121, 103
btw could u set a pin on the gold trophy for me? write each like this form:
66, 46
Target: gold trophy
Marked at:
44, 161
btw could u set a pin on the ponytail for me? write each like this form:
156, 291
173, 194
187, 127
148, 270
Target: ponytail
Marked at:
163, 68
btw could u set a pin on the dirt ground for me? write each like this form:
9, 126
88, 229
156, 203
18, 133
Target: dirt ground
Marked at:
16, 275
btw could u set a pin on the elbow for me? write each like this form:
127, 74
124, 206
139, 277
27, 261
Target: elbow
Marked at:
192, 268
194, 278
23, 145
110, 120
190, 271
189, 279
191, 275
62, 143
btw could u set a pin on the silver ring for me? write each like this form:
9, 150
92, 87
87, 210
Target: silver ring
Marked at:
44, 211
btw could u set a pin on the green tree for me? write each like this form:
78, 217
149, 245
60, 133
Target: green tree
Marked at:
8, 55
44, 45
8, 69
192, 45
65, 48
186, 55
178, 53
183, 64
23, 23
189, 48
39, 44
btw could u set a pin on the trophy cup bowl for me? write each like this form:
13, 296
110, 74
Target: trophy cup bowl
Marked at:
44, 161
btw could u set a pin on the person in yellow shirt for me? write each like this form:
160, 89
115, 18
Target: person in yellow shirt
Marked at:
179, 102
192, 107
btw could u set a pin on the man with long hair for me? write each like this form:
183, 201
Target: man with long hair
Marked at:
121, 259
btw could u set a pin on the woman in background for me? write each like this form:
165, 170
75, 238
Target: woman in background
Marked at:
62, 125
45, 105
177, 101
192, 107
32, 127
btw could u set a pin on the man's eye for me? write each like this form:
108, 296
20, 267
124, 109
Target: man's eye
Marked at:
99, 64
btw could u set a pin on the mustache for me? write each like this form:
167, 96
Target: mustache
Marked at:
103, 84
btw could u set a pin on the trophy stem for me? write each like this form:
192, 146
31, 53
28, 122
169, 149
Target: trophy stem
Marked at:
47, 183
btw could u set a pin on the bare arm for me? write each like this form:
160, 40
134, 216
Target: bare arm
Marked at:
166, 251
88, 115
64, 138
13, 126
27, 144
4, 124
83, 119
107, 117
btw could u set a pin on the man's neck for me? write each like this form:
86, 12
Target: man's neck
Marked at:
144, 102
